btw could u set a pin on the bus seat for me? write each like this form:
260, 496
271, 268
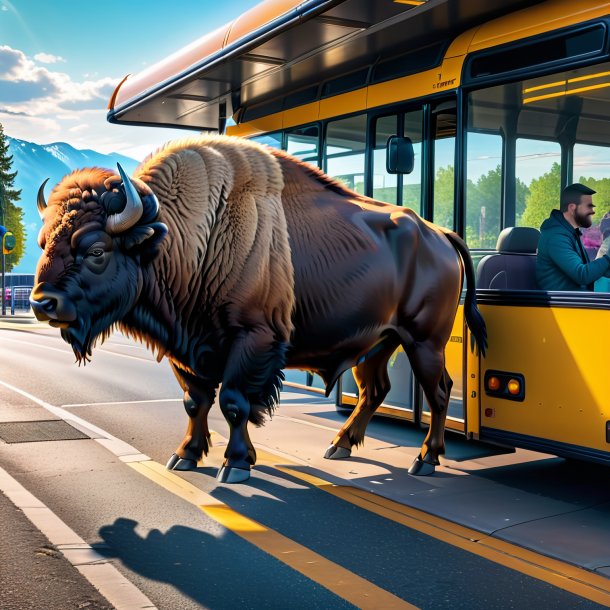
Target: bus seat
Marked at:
513, 266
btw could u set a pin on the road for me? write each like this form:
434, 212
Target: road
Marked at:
303, 533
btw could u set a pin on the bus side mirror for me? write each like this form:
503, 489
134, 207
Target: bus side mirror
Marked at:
400, 158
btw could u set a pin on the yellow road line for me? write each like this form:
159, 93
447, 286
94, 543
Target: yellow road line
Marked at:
335, 578
557, 573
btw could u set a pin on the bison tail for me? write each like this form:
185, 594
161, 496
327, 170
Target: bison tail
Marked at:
473, 316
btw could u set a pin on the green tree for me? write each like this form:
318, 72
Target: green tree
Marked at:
443, 197
543, 197
482, 229
601, 199
11, 215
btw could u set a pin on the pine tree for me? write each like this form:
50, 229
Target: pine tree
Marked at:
11, 216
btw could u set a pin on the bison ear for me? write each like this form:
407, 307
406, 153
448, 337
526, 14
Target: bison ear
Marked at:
145, 239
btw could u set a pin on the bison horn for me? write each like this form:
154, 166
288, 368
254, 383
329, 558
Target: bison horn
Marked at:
132, 212
42, 204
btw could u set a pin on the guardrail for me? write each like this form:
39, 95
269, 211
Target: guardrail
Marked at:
19, 298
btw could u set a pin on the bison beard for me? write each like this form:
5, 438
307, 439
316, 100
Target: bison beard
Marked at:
233, 261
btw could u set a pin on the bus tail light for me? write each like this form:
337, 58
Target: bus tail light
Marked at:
502, 384
514, 387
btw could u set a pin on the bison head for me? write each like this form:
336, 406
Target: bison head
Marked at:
99, 230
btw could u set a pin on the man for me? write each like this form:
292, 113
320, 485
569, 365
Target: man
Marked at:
562, 262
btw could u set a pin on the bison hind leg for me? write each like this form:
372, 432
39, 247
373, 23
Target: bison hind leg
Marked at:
428, 362
371, 375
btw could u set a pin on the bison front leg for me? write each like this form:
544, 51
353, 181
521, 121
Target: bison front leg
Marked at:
198, 399
240, 455
252, 373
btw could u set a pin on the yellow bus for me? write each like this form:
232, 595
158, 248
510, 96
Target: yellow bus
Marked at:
505, 102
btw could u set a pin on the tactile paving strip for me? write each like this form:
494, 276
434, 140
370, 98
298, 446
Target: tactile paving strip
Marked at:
34, 431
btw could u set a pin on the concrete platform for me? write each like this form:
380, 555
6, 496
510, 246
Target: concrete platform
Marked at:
558, 508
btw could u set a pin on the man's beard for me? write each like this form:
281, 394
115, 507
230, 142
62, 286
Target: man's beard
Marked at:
583, 220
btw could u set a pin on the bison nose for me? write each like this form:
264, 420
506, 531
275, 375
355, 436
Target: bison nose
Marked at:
47, 305
50, 304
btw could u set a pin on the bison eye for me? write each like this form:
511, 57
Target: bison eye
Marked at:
96, 252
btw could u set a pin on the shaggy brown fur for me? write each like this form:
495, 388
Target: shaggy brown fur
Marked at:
229, 241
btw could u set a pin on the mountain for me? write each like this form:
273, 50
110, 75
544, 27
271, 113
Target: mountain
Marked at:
36, 162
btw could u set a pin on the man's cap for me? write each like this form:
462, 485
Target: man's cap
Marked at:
579, 188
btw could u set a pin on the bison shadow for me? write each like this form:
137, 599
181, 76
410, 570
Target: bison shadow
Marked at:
222, 570
214, 571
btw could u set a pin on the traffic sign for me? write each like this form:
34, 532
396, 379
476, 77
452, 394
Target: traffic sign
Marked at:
8, 242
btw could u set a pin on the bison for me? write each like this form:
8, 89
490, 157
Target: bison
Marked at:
235, 261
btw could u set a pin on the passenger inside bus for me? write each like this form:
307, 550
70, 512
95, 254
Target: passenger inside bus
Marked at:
603, 284
562, 262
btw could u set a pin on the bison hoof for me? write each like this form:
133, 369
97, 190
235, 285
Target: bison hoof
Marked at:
178, 463
421, 468
337, 453
226, 474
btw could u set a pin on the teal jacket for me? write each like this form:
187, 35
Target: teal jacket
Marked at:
562, 262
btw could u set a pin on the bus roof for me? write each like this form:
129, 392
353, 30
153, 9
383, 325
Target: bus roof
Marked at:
281, 47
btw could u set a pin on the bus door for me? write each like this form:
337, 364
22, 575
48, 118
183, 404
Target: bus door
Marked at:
402, 400
429, 190
439, 205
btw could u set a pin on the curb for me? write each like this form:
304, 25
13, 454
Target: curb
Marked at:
18, 319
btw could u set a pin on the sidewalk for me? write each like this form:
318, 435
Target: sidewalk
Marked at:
21, 320
35, 574
20, 317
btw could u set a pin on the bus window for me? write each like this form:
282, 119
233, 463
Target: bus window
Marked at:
411, 186
385, 186
592, 167
483, 190
304, 143
538, 166
270, 139
344, 151
444, 125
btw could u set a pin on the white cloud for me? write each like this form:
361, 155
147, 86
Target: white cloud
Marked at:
47, 58
79, 128
41, 104
25, 86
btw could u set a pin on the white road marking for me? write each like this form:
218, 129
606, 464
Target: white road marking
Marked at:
121, 402
69, 352
120, 448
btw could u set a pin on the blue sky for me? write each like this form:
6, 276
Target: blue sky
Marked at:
61, 59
